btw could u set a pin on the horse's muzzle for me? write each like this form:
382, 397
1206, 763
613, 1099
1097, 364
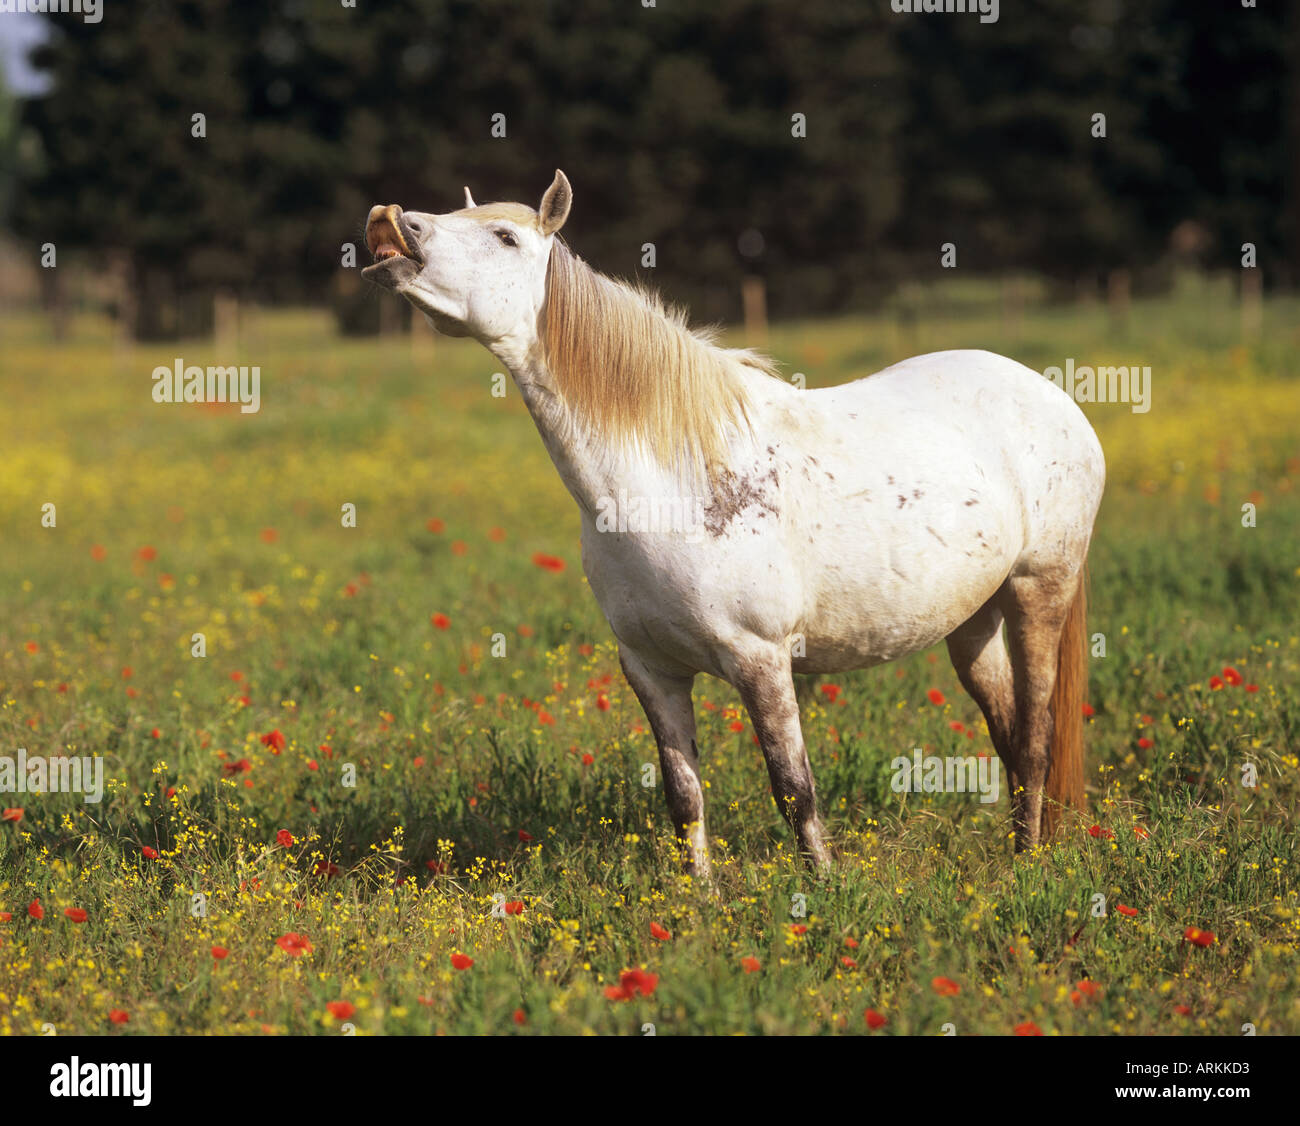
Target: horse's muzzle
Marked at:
388, 235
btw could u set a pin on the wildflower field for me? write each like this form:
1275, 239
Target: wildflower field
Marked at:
401, 791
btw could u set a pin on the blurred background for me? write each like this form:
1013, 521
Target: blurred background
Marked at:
674, 123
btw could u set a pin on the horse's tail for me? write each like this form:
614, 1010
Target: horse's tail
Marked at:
1065, 772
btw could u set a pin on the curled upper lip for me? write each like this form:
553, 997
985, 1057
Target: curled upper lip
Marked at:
388, 235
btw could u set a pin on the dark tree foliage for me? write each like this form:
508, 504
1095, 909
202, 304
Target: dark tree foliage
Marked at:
674, 124
999, 154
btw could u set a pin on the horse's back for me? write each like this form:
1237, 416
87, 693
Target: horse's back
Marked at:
969, 410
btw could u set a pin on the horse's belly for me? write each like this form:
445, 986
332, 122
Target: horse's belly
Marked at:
863, 613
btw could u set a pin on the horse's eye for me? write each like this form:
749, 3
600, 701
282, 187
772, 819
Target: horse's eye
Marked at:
507, 238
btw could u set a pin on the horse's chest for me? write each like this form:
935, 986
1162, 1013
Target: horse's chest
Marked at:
678, 597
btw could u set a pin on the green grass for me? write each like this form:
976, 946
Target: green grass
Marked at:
176, 520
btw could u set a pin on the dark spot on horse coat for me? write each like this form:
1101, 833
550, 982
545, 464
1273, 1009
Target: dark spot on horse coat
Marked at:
732, 494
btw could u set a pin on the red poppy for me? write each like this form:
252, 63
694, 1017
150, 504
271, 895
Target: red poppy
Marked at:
874, 1020
602, 702
831, 692
35, 910
1027, 1028
435, 525
548, 562
1252, 687
525, 835
848, 962
1215, 682
936, 697
1182, 1010
945, 987
957, 726
236, 767
1088, 710
341, 1010
219, 952
76, 914
147, 553
632, 983
5, 916
294, 944
1231, 675
514, 907
1098, 831
284, 838
14, 815
737, 725
118, 1016
798, 928
588, 759
1145, 743
461, 961
1198, 937
851, 943
149, 853
1088, 987
750, 964
326, 868
658, 932
440, 621
520, 1017
274, 740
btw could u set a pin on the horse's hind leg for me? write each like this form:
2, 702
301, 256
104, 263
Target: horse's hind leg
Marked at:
766, 686
667, 703
1036, 607
980, 657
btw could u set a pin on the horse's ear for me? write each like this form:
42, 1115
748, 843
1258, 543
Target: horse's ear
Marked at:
469, 199
555, 204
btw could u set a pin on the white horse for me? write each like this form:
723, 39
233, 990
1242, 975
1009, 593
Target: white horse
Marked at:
837, 528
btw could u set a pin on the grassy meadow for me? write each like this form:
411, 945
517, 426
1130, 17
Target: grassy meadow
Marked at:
497, 865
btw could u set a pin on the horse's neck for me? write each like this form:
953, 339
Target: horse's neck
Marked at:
588, 465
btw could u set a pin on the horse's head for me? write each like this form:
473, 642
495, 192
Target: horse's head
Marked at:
480, 271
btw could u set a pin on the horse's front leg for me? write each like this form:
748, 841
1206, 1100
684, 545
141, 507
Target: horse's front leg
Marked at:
766, 686
667, 703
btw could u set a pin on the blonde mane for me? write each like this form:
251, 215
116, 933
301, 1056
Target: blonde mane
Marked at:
629, 367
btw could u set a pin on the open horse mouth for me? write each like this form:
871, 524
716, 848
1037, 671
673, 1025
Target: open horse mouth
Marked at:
388, 235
